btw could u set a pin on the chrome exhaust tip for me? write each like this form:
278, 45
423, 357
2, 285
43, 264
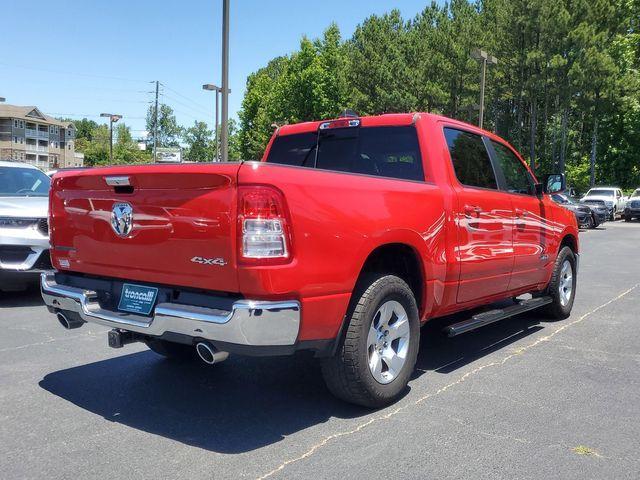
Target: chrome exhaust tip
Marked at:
208, 353
67, 322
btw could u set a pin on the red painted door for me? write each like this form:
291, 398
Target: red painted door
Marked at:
483, 219
531, 228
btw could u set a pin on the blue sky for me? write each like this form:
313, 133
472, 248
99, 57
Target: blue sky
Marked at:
86, 57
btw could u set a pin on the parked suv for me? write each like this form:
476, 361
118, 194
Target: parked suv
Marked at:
586, 215
612, 197
632, 208
24, 236
345, 238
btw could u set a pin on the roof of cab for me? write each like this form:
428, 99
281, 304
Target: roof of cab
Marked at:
386, 119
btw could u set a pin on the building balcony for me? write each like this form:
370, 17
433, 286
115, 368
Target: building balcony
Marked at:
30, 132
37, 148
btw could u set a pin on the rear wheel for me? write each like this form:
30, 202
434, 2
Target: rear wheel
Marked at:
591, 223
627, 218
377, 356
172, 350
562, 287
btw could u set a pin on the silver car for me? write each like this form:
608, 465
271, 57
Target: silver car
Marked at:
24, 235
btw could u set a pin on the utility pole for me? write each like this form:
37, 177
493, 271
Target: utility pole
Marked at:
112, 119
155, 124
224, 133
484, 58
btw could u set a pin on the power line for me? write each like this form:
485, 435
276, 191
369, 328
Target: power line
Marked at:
62, 72
199, 119
183, 96
201, 111
88, 115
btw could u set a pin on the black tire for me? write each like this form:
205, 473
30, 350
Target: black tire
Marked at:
347, 373
627, 218
591, 223
560, 309
612, 217
172, 350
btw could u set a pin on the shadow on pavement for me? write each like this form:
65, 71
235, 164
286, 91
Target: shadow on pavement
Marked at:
245, 403
27, 298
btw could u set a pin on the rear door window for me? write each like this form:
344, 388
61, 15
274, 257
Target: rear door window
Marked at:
380, 151
470, 159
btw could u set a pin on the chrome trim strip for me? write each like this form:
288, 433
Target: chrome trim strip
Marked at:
250, 322
118, 181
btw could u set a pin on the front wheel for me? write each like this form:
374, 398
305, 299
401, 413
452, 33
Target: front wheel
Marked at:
627, 218
562, 287
377, 356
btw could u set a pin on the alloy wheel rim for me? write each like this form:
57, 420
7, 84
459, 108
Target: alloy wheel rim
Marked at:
565, 288
388, 342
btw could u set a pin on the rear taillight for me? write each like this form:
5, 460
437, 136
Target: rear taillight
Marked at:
264, 230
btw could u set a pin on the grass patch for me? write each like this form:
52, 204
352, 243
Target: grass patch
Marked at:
582, 450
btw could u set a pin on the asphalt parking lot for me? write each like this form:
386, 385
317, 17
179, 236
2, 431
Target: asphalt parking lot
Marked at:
524, 398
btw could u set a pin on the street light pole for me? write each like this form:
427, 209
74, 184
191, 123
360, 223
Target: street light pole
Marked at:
484, 58
155, 124
217, 90
224, 133
112, 119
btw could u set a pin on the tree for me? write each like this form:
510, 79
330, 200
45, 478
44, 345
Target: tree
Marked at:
96, 150
565, 91
84, 128
169, 131
200, 146
95, 146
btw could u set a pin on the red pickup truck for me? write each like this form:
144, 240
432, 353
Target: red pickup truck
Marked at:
344, 239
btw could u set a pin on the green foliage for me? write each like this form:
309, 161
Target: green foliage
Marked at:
200, 146
565, 91
84, 128
94, 144
169, 131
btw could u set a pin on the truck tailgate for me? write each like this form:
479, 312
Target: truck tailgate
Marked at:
183, 228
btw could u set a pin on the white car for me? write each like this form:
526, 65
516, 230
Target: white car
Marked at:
24, 232
612, 197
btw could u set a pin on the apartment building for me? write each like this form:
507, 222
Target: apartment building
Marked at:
28, 135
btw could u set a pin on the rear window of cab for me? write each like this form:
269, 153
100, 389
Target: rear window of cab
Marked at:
391, 152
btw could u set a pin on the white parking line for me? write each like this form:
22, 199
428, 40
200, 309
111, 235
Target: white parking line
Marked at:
517, 352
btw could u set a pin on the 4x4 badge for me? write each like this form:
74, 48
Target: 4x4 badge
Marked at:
221, 262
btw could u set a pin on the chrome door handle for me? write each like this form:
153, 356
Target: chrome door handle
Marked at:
520, 213
470, 210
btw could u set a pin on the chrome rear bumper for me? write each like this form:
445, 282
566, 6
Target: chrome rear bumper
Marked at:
253, 323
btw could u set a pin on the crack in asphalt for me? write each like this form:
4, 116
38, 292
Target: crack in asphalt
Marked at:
50, 340
516, 353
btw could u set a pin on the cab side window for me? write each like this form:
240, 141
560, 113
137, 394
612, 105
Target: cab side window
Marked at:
516, 176
470, 159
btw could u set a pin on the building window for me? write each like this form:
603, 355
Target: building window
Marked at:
15, 123
21, 123
15, 139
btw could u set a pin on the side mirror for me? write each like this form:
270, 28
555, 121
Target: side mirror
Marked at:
555, 183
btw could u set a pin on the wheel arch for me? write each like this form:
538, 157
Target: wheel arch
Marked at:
401, 259
569, 240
